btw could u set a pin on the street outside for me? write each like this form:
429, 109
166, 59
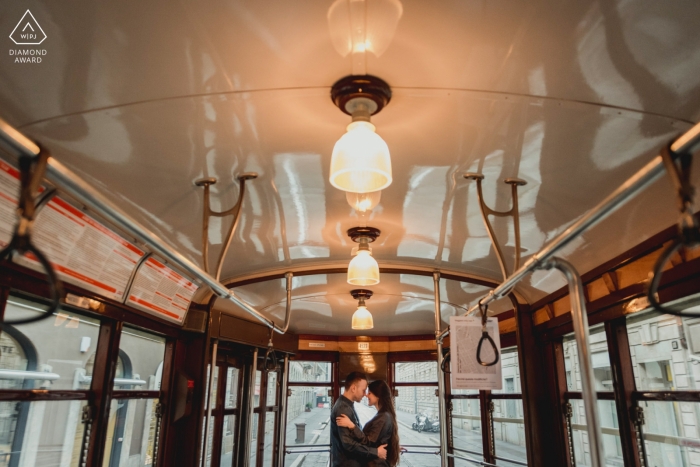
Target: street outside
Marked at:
317, 432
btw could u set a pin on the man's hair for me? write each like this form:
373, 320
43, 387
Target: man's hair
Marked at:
353, 378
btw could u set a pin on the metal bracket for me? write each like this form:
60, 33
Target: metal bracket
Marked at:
87, 414
513, 212
235, 211
637, 416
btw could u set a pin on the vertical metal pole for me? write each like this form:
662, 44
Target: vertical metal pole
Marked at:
212, 368
251, 408
283, 412
579, 318
441, 374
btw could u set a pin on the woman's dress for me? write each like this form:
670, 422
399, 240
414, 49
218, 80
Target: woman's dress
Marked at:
375, 433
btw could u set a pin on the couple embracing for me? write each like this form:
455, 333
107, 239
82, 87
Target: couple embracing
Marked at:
375, 445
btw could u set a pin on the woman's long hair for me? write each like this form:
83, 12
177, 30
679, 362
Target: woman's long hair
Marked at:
386, 404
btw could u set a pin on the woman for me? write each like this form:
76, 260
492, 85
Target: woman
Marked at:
382, 429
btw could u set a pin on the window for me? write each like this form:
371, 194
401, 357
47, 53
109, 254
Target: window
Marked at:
60, 353
132, 420
308, 424
665, 353
599, 358
300, 371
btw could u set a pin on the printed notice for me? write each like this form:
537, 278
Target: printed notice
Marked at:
159, 290
9, 191
83, 251
466, 372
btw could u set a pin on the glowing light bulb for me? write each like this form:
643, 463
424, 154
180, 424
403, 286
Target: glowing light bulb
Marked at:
362, 318
360, 162
363, 269
363, 202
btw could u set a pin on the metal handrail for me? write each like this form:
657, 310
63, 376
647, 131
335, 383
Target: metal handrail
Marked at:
687, 142
442, 406
475, 461
22, 374
512, 461
69, 182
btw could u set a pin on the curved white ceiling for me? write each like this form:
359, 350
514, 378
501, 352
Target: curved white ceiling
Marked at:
143, 98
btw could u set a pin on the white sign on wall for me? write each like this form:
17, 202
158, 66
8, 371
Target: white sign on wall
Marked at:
466, 372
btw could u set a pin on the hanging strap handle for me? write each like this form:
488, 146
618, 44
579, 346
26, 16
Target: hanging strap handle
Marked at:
31, 172
485, 337
688, 227
445, 365
270, 356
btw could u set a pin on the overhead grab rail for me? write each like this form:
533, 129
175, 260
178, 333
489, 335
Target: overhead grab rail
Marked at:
688, 227
235, 211
31, 172
67, 181
648, 174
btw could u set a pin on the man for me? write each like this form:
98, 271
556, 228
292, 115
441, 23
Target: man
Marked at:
346, 451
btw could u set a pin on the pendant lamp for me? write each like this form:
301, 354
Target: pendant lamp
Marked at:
362, 318
360, 162
363, 270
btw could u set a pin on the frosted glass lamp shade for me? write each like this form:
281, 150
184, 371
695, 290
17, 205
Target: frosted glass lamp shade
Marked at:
362, 318
363, 25
360, 162
363, 269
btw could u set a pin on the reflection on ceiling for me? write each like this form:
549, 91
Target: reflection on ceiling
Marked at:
573, 99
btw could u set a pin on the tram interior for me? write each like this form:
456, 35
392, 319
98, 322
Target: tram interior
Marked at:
211, 213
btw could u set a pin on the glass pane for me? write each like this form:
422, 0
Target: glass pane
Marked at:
599, 358
227, 442
140, 365
272, 389
612, 448
256, 396
417, 414
214, 388
231, 399
130, 433
509, 430
424, 458
308, 417
466, 463
210, 436
300, 371
664, 351
254, 439
466, 425
62, 346
415, 372
42, 433
510, 372
269, 438
671, 433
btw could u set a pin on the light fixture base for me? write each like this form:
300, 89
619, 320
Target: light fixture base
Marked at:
357, 233
354, 87
361, 294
